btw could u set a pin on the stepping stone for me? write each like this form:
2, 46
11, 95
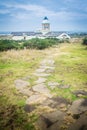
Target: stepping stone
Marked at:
78, 106
54, 116
40, 70
64, 86
47, 62
80, 124
40, 80
56, 126
79, 93
20, 84
50, 121
41, 88
29, 108
49, 71
26, 78
41, 74
53, 85
26, 92
58, 102
47, 67
41, 123
36, 99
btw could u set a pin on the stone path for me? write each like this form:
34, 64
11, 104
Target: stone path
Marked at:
55, 113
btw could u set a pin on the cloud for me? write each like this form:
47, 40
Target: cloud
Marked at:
4, 11
23, 11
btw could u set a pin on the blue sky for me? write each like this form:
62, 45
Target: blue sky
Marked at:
27, 15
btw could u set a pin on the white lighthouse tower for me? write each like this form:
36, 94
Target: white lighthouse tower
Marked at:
45, 25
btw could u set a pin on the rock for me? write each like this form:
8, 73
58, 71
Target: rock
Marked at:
56, 126
41, 88
47, 67
60, 100
50, 121
48, 102
35, 99
49, 71
29, 108
47, 62
41, 74
40, 80
78, 106
40, 70
63, 107
80, 93
68, 120
80, 124
20, 84
26, 78
26, 92
41, 124
64, 86
53, 85
54, 116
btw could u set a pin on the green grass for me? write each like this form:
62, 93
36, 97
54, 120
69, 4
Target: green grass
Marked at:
15, 65
71, 68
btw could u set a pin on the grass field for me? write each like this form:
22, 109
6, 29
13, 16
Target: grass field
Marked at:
70, 69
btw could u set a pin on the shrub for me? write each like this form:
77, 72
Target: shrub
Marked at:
8, 44
84, 41
40, 43
29, 44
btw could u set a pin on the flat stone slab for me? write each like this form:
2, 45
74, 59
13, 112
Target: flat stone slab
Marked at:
78, 106
36, 99
20, 84
40, 80
47, 62
56, 126
26, 92
56, 103
80, 124
29, 108
41, 88
50, 121
54, 116
41, 74
47, 67
64, 86
53, 85
40, 70
26, 78
79, 93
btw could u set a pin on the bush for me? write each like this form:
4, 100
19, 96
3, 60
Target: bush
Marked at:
84, 41
40, 43
29, 44
8, 44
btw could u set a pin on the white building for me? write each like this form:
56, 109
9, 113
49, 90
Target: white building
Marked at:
63, 36
45, 25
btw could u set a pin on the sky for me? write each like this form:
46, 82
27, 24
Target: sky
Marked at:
27, 15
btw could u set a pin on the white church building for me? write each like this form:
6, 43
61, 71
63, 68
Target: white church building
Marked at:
45, 32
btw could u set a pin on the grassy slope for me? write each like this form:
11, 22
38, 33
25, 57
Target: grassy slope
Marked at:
15, 65
71, 67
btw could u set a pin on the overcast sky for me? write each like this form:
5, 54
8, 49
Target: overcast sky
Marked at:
27, 15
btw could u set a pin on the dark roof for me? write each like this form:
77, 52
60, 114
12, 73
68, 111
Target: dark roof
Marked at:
45, 18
